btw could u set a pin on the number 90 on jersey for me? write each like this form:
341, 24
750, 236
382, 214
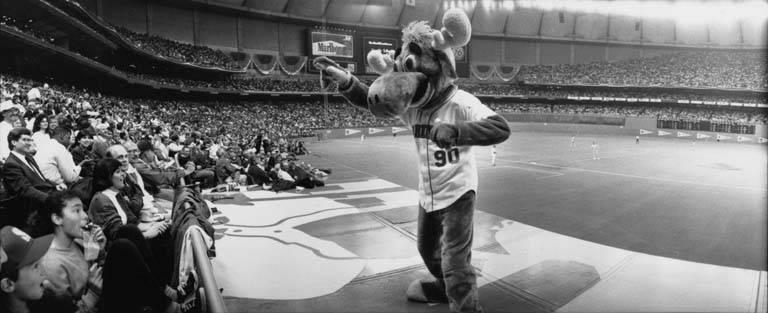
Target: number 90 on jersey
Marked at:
444, 157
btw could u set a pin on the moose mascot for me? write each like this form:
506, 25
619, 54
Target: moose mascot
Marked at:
417, 86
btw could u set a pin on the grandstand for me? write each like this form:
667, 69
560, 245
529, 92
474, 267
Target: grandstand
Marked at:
221, 172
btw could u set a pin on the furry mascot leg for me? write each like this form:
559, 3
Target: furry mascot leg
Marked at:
426, 291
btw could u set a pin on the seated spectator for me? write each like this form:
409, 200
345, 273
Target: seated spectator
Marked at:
111, 209
56, 163
81, 150
10, 115
21, 276
281, 179
257, 175
40, 131
301, 176
205, 176
135, 186
155, 177
225, 168
75, 282
24, 183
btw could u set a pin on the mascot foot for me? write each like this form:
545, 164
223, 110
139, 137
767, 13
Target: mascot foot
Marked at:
426, 292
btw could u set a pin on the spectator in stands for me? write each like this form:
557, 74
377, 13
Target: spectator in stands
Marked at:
203, 175
75, 282
81, 150
174, 147
10, 115
155, 177
257, 175
40, 131
225, 168
23, 180
21, 276
56, 163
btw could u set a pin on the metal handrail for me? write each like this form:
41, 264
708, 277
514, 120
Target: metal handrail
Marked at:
213, 299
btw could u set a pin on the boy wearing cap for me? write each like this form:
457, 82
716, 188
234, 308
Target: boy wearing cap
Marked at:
21, 276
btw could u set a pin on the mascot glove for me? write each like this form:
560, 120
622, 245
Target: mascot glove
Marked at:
339, 75
444, 135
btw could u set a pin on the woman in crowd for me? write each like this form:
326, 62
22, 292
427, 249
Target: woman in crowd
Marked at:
40, 130
82, 148
134, 263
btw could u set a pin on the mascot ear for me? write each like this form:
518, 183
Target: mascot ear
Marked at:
456, 31
379, 62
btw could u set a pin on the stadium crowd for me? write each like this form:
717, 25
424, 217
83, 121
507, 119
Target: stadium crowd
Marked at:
26, 27
661, 112
184, 52
99, 174
699, 69
93, 178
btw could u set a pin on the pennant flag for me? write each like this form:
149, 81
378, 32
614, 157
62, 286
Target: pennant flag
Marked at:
663, 133
645, 132
722, 137
396, 130
348, 131
682, 134
741, 139
762, 140
374, 130
702, 136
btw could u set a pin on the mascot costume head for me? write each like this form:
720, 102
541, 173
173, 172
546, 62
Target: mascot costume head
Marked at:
421, 69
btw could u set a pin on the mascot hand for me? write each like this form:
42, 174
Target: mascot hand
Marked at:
332, 69
444, 135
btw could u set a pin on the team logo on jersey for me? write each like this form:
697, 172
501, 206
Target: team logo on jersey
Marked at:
348, 131
645, 132
421, 131
372, 131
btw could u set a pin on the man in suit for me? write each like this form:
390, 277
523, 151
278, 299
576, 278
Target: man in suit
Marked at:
24, 182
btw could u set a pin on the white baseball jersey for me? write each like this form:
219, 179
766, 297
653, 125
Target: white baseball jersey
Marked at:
445, 175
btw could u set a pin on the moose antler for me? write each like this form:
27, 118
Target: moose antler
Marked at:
456, 31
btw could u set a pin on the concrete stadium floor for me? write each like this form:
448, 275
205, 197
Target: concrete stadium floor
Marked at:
704, 202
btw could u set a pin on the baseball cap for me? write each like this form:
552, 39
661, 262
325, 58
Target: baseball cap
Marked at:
21, 249
6, 105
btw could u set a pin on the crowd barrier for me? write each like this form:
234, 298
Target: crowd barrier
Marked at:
213, 303
573, 124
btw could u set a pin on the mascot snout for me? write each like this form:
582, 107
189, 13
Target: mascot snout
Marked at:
393, 93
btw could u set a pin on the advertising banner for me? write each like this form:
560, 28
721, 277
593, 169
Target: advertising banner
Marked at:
332, 44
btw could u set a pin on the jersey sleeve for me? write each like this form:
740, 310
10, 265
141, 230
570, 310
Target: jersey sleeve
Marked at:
474, 110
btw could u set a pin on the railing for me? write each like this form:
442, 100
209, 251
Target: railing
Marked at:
213, 301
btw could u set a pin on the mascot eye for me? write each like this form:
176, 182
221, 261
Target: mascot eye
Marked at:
410, 63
